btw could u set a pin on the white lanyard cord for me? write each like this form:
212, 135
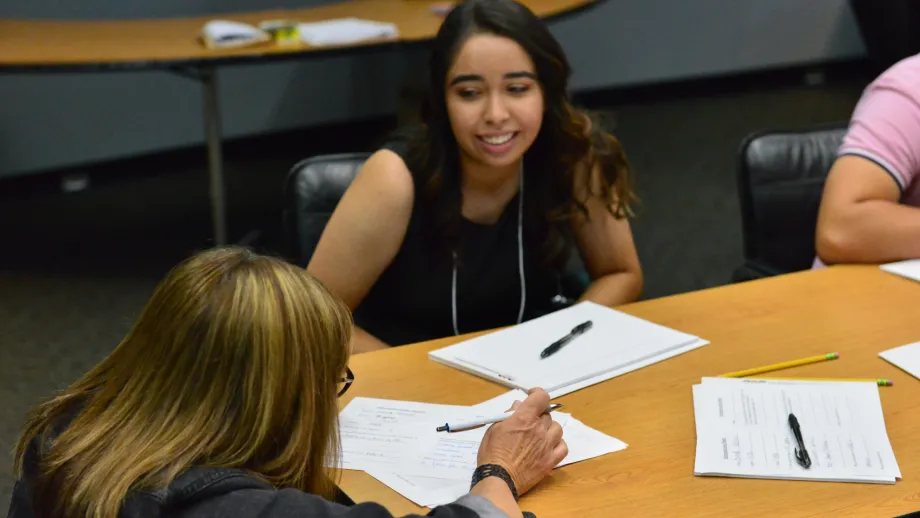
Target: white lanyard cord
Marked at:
520, 235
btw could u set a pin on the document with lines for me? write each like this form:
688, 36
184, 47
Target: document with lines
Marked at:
379, 432
742, 430
396, 443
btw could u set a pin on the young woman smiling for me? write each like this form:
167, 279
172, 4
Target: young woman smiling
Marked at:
467, 222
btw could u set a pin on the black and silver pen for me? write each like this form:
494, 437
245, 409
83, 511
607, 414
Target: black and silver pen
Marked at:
560, 343
801, 454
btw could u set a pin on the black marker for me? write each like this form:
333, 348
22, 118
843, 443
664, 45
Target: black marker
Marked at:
560, 343
801, 454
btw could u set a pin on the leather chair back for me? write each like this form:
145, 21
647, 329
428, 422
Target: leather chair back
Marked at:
313, 189
781, 177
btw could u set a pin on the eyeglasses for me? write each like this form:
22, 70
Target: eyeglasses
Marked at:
347, 380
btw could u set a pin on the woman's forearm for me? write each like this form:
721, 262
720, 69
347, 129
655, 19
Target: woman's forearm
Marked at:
614, 289
363, 342
871, 231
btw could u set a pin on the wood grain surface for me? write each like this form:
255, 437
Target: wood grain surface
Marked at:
854, 310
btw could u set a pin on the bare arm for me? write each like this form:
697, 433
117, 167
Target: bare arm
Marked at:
861, 219
364, 234
607, 248
364, 342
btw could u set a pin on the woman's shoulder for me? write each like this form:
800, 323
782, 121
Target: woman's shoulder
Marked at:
386, 176
385, 179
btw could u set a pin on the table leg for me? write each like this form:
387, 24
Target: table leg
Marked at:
208, 78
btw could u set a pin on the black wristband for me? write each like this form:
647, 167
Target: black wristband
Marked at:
494, 470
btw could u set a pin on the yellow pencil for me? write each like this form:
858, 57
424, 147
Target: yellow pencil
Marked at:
783, 365
881, 382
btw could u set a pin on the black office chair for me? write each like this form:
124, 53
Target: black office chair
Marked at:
313, 189
781, 176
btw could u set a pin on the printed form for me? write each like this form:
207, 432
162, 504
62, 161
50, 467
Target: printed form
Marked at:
743, 430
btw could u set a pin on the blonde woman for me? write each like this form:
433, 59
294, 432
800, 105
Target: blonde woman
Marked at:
222, 401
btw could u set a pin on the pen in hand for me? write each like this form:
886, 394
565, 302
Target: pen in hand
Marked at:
801, 454
559, 344
460, 426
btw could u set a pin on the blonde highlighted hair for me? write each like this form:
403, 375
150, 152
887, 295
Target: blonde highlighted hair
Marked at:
233, 363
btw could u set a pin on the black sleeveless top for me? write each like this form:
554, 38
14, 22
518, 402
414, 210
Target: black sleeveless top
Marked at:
411, 300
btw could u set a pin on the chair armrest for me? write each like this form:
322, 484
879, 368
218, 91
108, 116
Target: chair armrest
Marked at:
752, 270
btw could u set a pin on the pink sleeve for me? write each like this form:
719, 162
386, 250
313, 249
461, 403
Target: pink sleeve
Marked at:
885, 129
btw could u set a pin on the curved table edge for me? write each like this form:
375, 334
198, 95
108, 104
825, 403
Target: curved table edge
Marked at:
246, 59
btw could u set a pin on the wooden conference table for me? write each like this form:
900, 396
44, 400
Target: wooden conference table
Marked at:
856, 311
171, 44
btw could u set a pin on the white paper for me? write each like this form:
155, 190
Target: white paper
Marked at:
226, 34
395, 442
743, 430
909, 268
583, 441
586, 443
454, 456
381, 433
517, 394
343, 31
378, 432
568, 389
906, 358
424, 491
617, 343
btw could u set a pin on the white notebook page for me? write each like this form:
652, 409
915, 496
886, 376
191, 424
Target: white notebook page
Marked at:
615, 340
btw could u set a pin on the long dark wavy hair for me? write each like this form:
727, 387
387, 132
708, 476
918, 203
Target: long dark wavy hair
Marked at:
569, 139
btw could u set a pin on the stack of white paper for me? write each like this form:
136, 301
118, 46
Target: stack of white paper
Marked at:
343, 31
396, 443
616, 344
742, 430
906, 358
909, 269
229, 34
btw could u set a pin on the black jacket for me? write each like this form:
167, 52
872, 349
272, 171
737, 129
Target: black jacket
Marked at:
204, 492
209, 492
